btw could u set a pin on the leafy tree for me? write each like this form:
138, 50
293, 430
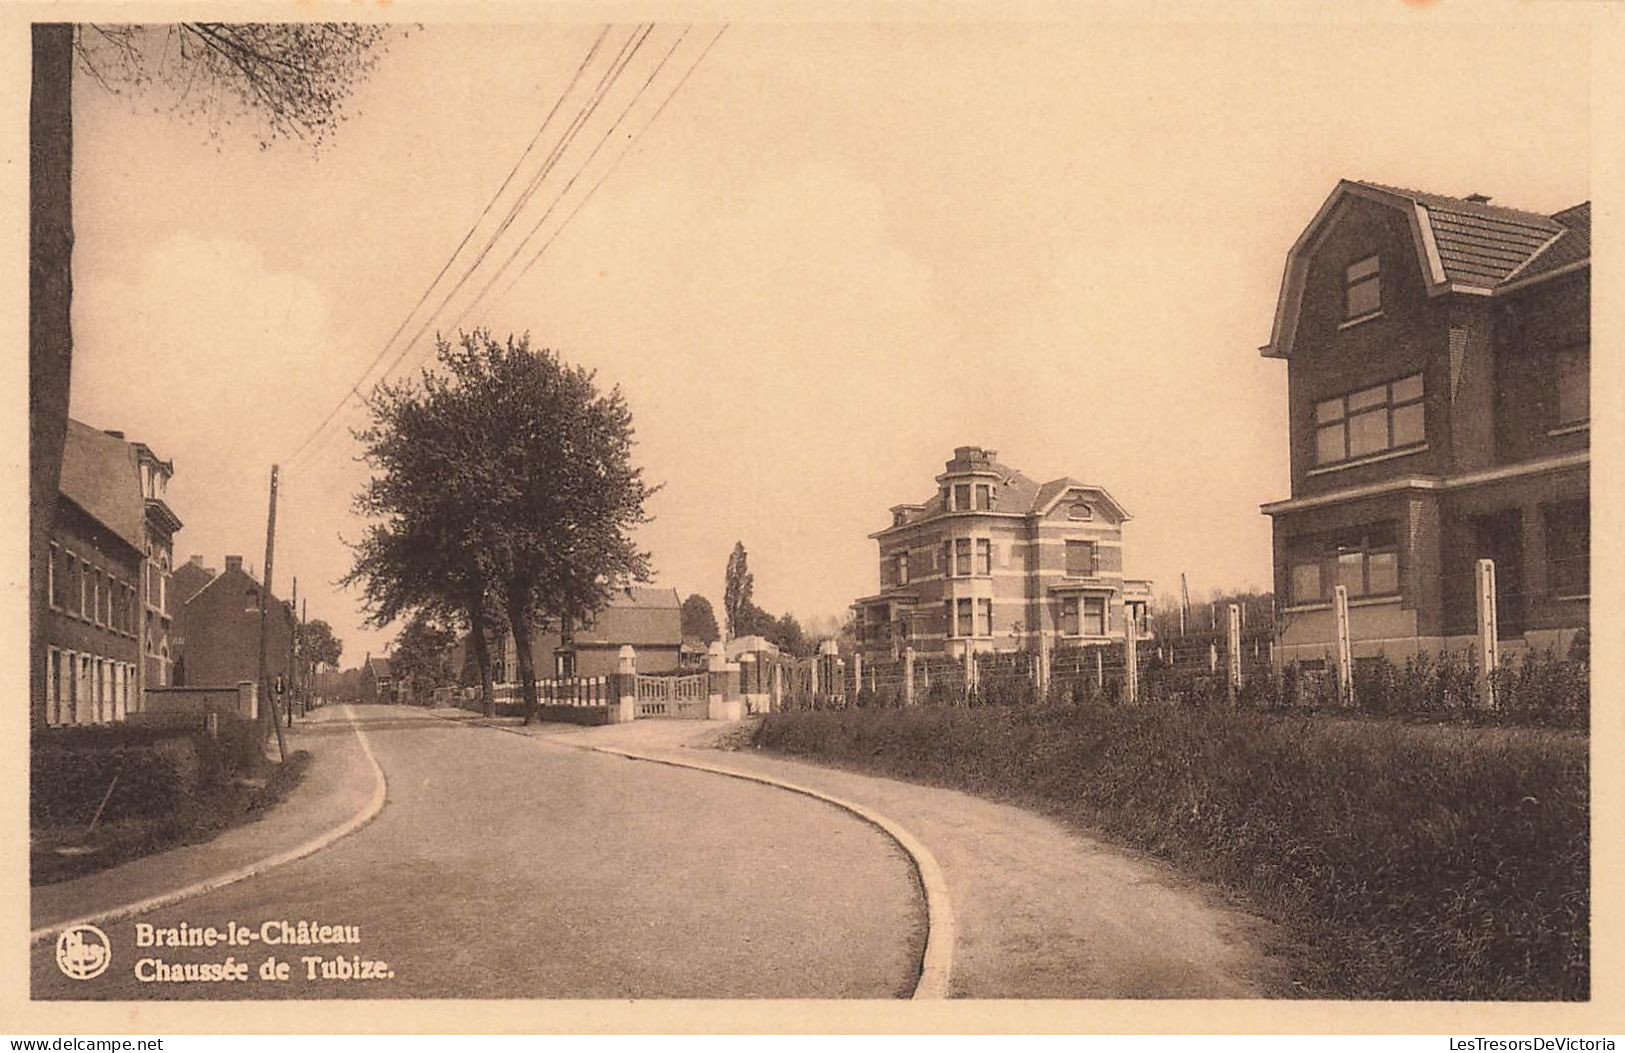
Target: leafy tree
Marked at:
318, 644
295, 78
738, 585
699, 620
422, 653
506, 473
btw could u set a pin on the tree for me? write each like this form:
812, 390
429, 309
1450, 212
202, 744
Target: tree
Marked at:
699, 620
318, 644
738, 585
295, 77
505, 471
422, 653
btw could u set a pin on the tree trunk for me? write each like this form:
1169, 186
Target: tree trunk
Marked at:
477, 630
50, 333
519, 625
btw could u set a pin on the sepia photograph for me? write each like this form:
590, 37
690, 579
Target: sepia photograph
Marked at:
661, 504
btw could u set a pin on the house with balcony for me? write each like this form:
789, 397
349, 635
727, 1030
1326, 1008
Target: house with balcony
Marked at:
994, 561
108, 621
1438, 368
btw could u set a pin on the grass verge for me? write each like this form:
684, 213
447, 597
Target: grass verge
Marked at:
198, 817
1407, 861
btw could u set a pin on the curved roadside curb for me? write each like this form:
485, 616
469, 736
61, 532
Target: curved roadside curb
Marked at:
368, 812
936, 962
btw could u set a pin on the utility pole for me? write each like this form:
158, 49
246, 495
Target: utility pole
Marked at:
1184, 602
265, 611
306, 670
293, 649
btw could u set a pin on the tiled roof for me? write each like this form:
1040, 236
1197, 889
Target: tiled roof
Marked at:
189, 579
1015, 493
645, 597
1481, 244
1571, 246
99, 475
379, 666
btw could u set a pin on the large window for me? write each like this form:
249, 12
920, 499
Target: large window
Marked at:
1371, 420
1069, 616
984, 620
1362, 288
962, 618
1083, 616
962, 557
901, 563
1568, 547
984, 556
1080, 559
1573, 386
1364, 561
961, 497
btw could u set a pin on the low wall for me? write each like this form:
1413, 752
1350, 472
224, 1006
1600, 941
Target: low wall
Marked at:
174, 705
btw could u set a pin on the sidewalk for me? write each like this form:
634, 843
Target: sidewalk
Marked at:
339, 782
1042, 912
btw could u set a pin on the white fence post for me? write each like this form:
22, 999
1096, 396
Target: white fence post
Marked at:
908, 676
1345, 653
1131, 664
1233, 642
1489, 629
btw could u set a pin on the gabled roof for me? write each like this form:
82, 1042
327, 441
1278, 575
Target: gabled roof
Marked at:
379, 666
99, 475
1464, 245
1014, 493
189, 579
645, 597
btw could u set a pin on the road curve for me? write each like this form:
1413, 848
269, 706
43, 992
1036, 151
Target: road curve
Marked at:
502, 868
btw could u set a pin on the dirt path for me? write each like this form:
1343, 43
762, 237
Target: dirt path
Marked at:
1042, 912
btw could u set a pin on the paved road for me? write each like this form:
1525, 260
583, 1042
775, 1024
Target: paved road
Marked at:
505, 866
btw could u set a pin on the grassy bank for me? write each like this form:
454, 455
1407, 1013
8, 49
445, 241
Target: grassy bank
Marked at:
103, 795
1406, 861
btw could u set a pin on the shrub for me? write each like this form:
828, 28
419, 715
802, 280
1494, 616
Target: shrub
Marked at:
1409, 861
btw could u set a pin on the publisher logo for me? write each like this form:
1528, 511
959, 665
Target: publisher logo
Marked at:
82, 952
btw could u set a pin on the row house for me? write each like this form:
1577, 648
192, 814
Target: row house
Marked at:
996, 561
1438, 368
108, 621
217, 632
650, 619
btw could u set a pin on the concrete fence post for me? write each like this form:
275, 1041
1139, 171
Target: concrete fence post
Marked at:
908, 676
1488, 629
248, 699
1233, 649
857, 674
1131, 662
775, 700
1041, 668
623, 703
1345, 651
722, 702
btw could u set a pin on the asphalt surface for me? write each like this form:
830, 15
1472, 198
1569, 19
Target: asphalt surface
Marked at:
504, 866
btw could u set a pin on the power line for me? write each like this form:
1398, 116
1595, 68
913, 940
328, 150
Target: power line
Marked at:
355, 389
617, 66
630, 146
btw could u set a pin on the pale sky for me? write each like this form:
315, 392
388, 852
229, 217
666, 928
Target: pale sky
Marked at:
841, 251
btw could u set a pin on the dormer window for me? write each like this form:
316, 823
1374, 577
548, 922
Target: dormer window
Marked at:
1362, 289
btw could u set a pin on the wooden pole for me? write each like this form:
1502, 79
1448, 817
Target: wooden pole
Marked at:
307, 671
1233, 645
265, 611
293, 645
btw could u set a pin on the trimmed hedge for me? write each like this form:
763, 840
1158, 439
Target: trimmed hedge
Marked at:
1408, 861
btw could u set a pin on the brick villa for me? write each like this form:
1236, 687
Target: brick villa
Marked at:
1438, 367
996, 561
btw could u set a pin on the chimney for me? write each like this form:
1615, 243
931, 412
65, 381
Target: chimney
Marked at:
195, 561
233, 563
1478, 199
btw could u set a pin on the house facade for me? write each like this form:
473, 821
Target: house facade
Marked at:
996, 561
377, 682
648, 618
218, 627
107, 622
1438, 365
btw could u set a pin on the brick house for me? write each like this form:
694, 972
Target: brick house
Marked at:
218, 627
996, 561
107, 624
650, 619
1438, 364
377, 682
